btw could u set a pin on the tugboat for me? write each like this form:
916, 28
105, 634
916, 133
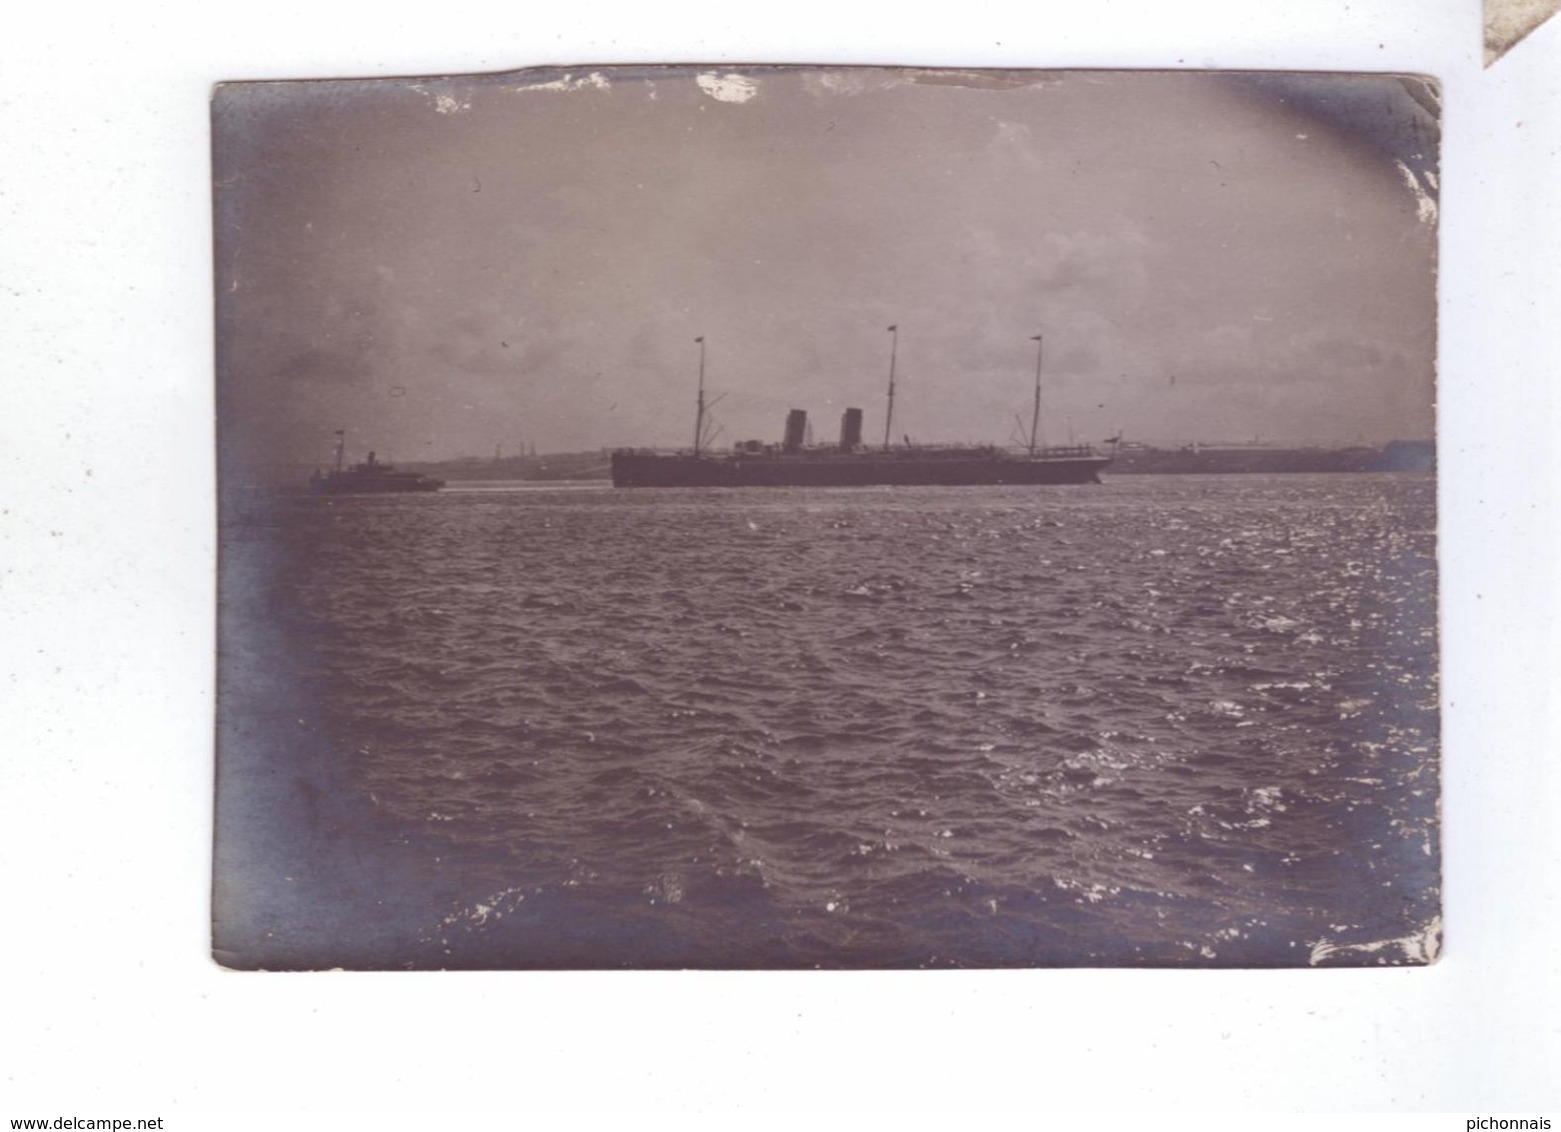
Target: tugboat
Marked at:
368, 478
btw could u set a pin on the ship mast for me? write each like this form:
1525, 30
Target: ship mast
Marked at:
894, 349
699, 414
1035, 414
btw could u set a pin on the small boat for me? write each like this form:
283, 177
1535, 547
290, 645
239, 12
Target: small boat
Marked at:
368, 478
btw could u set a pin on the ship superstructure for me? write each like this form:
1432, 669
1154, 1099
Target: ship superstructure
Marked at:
368, 478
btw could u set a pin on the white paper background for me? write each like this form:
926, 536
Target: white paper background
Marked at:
111, 1004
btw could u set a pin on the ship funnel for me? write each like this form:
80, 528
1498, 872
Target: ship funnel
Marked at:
850, 430
796, 429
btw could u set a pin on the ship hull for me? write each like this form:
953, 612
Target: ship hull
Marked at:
369, 478
639, 469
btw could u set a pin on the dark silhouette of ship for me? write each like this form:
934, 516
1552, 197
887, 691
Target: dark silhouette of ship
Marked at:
368, 478
850, 463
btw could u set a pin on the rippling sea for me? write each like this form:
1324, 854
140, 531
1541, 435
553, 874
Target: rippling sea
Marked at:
1163, 721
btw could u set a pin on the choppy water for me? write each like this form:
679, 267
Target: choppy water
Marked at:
1178, 720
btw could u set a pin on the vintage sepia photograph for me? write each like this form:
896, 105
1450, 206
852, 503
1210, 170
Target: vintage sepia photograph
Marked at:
787, 517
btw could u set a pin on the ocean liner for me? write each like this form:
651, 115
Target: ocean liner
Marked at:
368, 478
850, 463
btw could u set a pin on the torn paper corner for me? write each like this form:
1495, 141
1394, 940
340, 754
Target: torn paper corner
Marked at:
1509, 22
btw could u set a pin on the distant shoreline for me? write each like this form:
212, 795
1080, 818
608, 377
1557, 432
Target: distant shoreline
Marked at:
1397, 456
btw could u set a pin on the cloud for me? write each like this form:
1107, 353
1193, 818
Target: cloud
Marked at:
552, 259
319, 367
1094, 260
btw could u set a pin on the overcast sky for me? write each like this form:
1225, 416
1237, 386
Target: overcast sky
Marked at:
446, 266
